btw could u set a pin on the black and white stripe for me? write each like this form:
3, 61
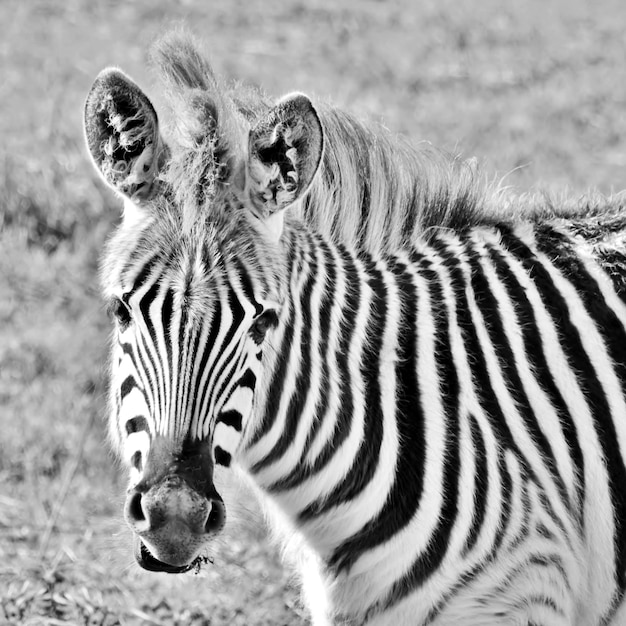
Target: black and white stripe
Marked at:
430, 404
446, 426
175, 372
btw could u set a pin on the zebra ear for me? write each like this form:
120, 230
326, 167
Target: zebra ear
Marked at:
122, 133
284, 152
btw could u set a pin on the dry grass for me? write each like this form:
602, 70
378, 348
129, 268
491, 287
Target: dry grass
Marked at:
533, 89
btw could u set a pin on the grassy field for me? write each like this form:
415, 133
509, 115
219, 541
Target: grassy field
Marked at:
535, 90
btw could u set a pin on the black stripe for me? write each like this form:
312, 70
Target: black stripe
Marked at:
343, 425
522, 570
230, 418
127, 348
563, 256
405, 494
135, 460
583, 369
477, 361
613, 263
248, 380
277, 383
136, 424
366, 458
525, 506
144, 362
199, 394
196, 370
185, 368
556, 520
167, 308
535, 352
158, 381
467, 577
551, 561
127, 386
222, 457
464, 581
492, 318
545, 602
325, 307
344, 417
430, 559
279, 375
481, 484
230, 366
144, 306
302, 383
505, 497
143, 275
243, 274
215, 373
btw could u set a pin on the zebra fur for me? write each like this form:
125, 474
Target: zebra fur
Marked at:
421, 377
477, 314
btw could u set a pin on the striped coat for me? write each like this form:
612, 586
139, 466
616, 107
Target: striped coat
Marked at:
421, 377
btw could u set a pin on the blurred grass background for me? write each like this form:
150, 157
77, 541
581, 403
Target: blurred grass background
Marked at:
535, 89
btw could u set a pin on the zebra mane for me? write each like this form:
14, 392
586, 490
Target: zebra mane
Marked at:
376, 190
373, 190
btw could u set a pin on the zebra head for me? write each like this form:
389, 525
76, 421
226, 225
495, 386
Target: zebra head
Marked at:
192, 277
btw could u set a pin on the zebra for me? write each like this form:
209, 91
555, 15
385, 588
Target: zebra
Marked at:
421, 376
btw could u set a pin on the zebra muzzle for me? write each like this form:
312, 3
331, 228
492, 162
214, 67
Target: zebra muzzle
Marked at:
144, 558
172, 522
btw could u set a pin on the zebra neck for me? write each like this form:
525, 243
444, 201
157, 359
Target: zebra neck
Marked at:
383, 366
323, 407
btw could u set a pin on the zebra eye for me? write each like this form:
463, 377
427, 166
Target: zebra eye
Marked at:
120, 311
264, 322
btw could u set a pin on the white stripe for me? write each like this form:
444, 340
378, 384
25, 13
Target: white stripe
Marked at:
342, 521
598, 512
510, 411
286, 464
394, 558
617, 305
543, 410
333, 473
136, 442
260, 449
214, 360
197, 425
329, 420
226, 437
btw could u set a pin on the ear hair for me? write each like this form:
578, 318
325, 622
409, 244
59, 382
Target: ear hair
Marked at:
285, 150
122, 133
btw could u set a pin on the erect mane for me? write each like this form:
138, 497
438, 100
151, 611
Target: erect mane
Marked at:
379, 193
376, 191
373, 190
202, 123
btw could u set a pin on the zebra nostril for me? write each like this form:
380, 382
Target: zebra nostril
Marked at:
134, 510
216, 518
135, 461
